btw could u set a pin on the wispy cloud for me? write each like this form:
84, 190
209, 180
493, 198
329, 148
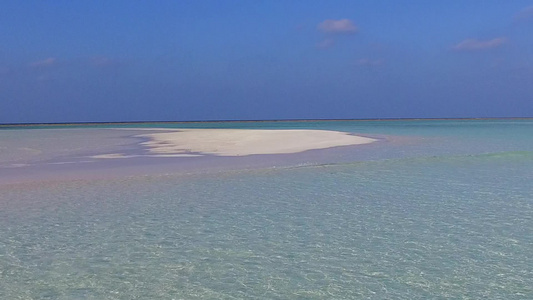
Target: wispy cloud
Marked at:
104, 62
326, 43
370, 62
44, 63
524, 14
343, 26
475, 44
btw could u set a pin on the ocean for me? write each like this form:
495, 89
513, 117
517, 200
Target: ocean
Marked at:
435, 209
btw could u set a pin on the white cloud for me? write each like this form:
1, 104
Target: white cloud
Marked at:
44, 63
103, 61
343, 26
526, 13
326, 43
370, 62
475, 44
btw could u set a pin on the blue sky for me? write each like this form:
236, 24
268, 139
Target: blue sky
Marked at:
79, 61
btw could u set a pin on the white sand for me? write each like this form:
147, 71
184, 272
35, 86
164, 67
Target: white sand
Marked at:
239, 142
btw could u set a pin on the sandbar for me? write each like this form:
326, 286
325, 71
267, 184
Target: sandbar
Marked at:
121, 155
242, 142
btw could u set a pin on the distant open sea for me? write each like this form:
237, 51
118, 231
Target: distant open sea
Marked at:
436, 209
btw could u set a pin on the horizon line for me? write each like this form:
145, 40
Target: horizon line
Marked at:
251, 120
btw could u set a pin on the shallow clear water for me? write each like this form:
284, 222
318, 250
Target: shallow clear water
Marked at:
441, 210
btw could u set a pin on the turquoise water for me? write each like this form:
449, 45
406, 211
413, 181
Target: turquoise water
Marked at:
437, 209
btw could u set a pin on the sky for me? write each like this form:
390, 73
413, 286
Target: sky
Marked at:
111, 61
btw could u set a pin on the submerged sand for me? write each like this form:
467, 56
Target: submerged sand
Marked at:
240, 142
